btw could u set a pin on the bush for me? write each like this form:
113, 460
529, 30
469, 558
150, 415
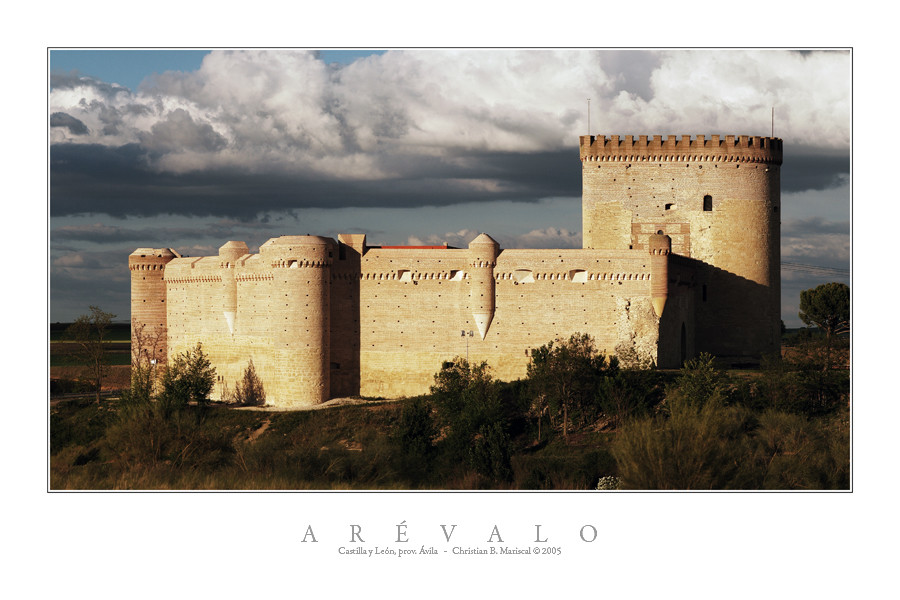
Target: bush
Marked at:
700, 381
490, 453
696, 447
629, 394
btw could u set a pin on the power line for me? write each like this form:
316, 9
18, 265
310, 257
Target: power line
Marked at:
791, 266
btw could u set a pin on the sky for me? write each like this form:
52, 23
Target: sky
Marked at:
189, 149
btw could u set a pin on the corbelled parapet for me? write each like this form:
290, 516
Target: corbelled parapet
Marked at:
729, 148
660, 247
483, 252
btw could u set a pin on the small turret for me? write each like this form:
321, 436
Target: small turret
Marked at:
660, 247
228, 254
483, 252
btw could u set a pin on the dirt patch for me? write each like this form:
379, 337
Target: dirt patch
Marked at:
254, 435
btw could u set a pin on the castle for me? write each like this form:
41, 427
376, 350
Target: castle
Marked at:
680, 255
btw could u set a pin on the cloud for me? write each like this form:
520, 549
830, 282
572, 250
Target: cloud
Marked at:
267, 130
75, 127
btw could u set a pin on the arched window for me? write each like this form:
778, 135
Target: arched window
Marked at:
707, 203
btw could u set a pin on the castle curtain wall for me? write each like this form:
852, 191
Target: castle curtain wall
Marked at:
681, 256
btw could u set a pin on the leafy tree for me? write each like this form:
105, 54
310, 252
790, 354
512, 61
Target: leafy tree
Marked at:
89, 332
190, 378
249, 391
827, 307
565, 373
470, 411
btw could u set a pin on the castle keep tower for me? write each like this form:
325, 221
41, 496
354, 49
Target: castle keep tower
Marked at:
718, 200
148, 299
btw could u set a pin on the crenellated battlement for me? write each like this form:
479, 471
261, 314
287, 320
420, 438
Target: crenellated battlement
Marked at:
716, 148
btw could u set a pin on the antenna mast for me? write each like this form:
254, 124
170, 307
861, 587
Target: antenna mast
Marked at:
589, 116
773, 121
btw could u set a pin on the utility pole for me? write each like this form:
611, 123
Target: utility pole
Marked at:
467, 335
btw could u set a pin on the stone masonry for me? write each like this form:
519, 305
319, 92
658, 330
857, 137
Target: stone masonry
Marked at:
681, 255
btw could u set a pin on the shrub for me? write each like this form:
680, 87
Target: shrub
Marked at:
490, 453
700, 381
695, 447
249, 391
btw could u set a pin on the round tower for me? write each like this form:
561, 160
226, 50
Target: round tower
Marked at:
660, 246
719, 200
228, 255
148, 301
300, 326
483, 252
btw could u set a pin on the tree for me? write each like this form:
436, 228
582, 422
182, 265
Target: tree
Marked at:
470, 409
144, 349
249, 391
827, 307
190, 378
89, 332
566, 374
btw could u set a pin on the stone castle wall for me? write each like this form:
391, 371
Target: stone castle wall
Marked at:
681, 256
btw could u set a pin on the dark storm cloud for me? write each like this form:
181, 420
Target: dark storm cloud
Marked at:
116, 181
808, 168
97, 233
65, 238
75, 127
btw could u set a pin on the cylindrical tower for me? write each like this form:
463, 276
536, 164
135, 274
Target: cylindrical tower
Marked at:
719, 199
148, 301
300, 328
660, 247
483, 252
228, 255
